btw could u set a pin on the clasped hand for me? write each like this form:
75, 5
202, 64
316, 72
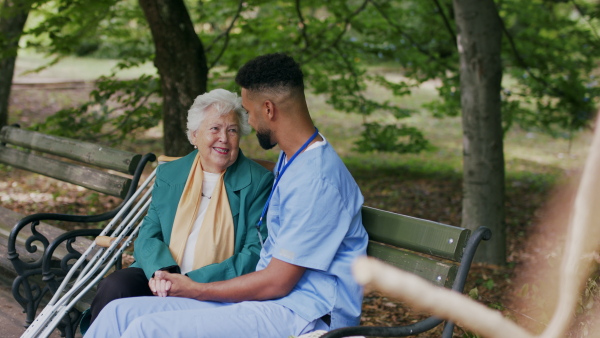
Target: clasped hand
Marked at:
165, 284
160, 287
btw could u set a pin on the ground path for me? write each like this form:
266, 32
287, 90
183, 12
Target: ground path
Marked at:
12, 318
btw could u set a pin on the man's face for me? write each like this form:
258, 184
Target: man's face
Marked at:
256, 120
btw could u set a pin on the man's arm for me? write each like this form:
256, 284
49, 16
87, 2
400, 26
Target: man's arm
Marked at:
275, 281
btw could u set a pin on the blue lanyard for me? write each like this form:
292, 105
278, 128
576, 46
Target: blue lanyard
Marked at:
280, 173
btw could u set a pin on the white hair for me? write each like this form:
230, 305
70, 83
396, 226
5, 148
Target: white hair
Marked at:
219, 101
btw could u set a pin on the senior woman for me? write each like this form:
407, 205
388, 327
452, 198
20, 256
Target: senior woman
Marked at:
201, 221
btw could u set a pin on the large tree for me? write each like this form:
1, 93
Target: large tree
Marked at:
13, 15
479, 40
181, 63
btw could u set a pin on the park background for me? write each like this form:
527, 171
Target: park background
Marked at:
365, 69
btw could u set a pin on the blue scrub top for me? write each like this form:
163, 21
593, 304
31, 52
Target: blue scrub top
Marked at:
314, 221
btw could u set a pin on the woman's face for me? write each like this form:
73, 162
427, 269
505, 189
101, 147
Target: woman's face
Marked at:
218, 141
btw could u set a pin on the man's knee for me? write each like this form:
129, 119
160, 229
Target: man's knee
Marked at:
144, 326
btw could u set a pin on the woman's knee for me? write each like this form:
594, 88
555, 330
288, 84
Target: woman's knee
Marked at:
130, 282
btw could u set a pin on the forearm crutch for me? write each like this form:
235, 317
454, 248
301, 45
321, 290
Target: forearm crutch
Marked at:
128, 219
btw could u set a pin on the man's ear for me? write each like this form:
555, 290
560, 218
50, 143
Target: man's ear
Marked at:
269, 109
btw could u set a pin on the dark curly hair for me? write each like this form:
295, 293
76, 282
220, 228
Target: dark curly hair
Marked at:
271, 72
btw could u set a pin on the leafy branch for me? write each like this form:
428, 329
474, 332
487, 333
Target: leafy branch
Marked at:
556, 91
400, 31
225, 34
581, 12
302, 25
338, 38
446, 21
116, 109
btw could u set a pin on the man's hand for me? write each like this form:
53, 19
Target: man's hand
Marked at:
178, 285
275, 281
159, 286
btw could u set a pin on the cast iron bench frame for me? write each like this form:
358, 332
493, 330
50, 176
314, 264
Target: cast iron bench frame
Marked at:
81, 163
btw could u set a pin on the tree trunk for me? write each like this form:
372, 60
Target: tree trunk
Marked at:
13, 16
479, 36
181, 64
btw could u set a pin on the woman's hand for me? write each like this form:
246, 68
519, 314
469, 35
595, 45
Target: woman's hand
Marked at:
275, 281
179, 285
159, 286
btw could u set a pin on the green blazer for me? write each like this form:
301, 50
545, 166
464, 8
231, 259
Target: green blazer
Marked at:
248, 185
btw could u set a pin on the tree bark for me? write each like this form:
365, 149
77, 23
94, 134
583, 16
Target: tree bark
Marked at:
479, 37
181, 64
13, 16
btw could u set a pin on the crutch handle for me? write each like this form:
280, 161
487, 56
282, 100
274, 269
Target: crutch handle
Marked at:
165, 158
105, 241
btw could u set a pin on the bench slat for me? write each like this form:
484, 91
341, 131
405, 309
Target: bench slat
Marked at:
439, 273
85, 152
87, 177
415, 234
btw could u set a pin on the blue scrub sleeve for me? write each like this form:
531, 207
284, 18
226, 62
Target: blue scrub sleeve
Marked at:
316, 222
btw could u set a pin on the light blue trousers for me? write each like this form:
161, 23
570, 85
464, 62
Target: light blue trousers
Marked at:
183, 317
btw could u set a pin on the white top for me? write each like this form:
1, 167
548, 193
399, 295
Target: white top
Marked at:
208, 186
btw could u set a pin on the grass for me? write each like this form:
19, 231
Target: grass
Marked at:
72, 68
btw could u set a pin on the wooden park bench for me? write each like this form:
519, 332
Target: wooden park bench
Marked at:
41, 254
439, 253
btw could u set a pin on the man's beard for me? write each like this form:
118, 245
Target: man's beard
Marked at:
264, 139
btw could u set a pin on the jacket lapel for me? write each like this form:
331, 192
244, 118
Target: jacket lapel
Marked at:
237, 178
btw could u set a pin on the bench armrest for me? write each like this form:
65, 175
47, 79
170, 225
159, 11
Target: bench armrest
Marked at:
482, 233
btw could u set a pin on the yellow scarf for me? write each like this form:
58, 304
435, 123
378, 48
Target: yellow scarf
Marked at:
216, 237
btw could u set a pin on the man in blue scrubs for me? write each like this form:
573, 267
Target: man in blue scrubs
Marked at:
303, 280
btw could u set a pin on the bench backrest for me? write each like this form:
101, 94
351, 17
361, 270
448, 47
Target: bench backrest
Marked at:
77, 162
425, 248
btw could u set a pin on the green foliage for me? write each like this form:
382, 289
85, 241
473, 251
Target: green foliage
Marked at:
389, 138
125, 36
496, 306
589, 294
474, 293
10, 32
334, 42
548, 56
66, 23
469, 334
116, 109
104, 28
489, 284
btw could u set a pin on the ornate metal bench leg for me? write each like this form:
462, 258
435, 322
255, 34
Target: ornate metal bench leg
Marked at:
28, 294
